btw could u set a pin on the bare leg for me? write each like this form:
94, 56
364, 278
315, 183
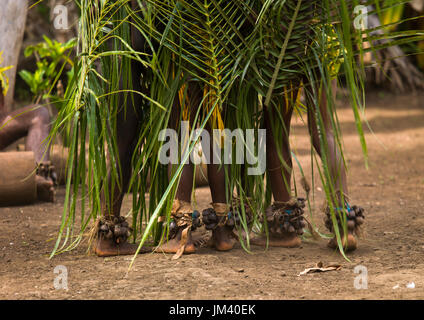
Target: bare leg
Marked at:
335, 161
183, 196
336, 164
221, 236
34, 123
127, 134
185, 185
279, 172
222, 239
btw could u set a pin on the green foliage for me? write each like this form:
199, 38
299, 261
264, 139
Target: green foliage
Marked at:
51, 56
393, 13
237, 53
4, 80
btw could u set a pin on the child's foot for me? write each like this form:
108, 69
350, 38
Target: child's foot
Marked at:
284, 240
184, 221
285, 224
355, 219
349, 244
222, 238
174, 244
112, 236
221, 220
108, 247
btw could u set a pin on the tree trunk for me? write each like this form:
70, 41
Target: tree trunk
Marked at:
12, 25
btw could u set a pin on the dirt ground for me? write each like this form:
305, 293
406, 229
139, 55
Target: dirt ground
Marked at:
392, 250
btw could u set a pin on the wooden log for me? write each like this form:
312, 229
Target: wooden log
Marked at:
59, 157
17, 178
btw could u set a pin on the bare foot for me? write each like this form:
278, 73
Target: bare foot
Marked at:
174, 244
284, 240
108, 248
350, 245
355, 219
222, 239
45, 189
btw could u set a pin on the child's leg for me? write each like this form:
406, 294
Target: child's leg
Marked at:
335, 161
284, 216
336, 166
279, 173
109, 242
180, 240
222, 238
182, 214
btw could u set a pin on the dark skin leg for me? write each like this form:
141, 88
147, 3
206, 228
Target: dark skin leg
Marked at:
183, 194
185, 185
221, 236
279, 173
336, 164
222, 239
127, 133
32, 122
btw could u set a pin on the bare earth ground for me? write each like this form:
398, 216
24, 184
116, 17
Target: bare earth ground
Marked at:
391, 191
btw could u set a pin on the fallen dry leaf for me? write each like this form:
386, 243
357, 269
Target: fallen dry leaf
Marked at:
320, 268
